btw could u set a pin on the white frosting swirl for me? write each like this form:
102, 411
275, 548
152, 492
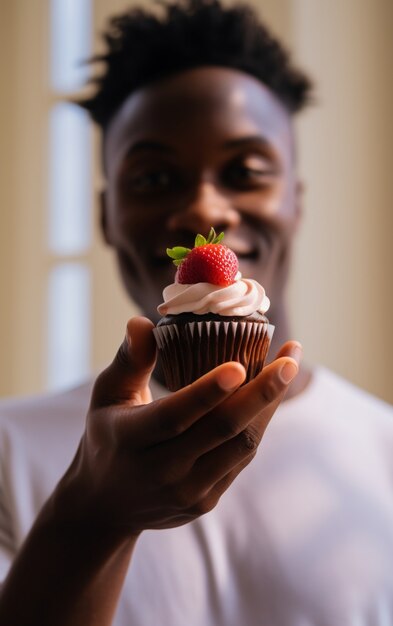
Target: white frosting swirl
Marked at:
243, 297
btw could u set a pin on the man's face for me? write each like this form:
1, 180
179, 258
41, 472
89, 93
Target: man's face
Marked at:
205, 147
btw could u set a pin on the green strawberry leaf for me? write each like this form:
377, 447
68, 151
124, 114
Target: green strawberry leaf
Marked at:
211, 236
178, 252
219, 238
200, 241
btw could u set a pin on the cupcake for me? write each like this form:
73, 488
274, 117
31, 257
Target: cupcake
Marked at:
210, 315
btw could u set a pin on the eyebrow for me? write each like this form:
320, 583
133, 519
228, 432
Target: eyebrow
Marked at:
147, 145
242, 141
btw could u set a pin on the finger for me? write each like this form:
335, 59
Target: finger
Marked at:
140, 350
256, 400
293, 349
209, 468
266, 390
169, 417
202, 401
216, 464
126, 379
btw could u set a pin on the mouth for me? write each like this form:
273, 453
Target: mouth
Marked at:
243, 250
161, 261
252, 255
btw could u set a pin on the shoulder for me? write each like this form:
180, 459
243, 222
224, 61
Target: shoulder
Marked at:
40, 420
329, 392
46, 406
332, 409
334, 413
346, 398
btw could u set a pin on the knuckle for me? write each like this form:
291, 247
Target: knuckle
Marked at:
170, 427
122, 356
249, 440
204, 506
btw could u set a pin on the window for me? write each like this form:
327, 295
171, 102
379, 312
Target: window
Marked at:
69, 198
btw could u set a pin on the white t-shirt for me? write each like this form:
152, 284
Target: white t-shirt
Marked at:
303, 537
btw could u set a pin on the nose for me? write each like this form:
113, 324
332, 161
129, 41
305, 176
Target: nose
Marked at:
207, 207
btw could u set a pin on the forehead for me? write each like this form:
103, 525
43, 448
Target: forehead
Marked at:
199, 106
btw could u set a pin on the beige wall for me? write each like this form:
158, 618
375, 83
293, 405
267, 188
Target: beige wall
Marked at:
23, 60
341, 292
6, 210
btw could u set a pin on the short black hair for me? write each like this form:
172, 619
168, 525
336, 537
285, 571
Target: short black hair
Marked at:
143, 46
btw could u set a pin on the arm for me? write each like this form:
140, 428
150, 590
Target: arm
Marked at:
65, 575
183, 452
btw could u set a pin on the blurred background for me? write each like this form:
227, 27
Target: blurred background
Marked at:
62, 308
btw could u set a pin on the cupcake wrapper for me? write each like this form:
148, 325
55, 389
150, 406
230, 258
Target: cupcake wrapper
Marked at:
188, 351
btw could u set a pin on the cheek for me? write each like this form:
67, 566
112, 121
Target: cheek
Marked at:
138, 216
274, 255
279, 200
273, 202
266, 204
124, 224
275, 221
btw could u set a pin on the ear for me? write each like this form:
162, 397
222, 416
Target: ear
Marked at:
103, 208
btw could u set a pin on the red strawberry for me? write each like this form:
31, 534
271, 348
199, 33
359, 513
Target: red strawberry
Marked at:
208, 262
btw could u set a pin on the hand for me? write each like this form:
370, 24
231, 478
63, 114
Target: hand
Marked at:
144, 464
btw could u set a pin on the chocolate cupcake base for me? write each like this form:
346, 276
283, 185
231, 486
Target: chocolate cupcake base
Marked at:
190, 345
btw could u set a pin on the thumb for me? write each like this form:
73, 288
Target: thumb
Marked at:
126, 379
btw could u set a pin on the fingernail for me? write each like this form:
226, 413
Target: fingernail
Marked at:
230, 378
288, 372
297, 352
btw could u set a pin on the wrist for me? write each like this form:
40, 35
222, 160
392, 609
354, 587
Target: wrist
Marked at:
69, 570
74, 508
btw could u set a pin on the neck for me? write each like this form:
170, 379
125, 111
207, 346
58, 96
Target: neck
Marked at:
282, 334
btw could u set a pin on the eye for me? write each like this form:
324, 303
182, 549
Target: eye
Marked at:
150, 181
253, 171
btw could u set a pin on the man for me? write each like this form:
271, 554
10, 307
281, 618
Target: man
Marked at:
196, 116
